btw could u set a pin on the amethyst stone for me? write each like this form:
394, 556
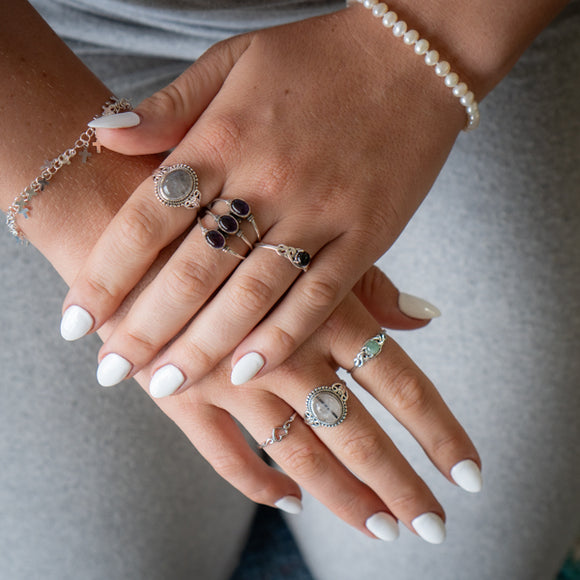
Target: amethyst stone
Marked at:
228, 224
215, 239
302, 259
240, 208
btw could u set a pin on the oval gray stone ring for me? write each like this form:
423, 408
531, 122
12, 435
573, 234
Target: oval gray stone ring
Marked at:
176, 186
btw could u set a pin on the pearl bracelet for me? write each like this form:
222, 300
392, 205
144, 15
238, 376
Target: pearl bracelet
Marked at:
421, 46
22, 203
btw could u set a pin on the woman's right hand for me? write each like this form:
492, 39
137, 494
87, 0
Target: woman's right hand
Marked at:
353, 468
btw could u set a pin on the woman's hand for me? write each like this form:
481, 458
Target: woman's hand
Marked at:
331, 130
352, 468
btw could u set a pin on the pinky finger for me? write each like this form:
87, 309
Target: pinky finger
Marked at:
215, 434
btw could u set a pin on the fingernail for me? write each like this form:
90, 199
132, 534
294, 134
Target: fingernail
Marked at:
75, 323
118, 121
418, 308
430, 527
383, 526
289, 504
466, 475
166, 381
112, 370
247, 368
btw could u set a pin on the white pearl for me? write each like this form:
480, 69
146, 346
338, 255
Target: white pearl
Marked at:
442, 68
431, 58
421, 46
451, 80
411, 37
459, 90
379, 10
400, 28
370, 3
472, 109
467, 99
389, 19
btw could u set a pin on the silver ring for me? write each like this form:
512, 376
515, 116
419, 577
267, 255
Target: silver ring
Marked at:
298, 257
326, 406
217, 240
176, 186
370, 349
230, 226
240, 209
278, 433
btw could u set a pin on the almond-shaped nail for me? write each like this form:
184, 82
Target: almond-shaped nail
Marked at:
112, 370
289, 504
466, 474
430, 527
76, 322
415, 307
117, 121
383, 526
247, 368
166, 381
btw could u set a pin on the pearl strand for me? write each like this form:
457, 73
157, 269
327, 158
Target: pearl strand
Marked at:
431, 57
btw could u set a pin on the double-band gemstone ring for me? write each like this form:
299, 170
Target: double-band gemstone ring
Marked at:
326, 406
298, 257
176, 186
370, 349
240, 209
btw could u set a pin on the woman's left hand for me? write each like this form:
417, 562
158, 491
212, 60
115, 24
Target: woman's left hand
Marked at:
330, 142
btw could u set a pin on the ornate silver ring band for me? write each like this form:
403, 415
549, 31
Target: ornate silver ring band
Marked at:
228, 225
240, 209
326, 406
298, 257
370, 349
177, 186
278, 433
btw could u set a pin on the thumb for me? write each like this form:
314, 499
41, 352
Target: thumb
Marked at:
390, 307
161, 121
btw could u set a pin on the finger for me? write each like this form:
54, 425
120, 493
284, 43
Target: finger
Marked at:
166, 116
397, 383
362, 447
216, 436
388, 306
129, 245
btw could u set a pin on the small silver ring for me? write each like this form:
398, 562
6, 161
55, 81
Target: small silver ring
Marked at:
370, 349
177, 186
326, 406
298, 257
278, 433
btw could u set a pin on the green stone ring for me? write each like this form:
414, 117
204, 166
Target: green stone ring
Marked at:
370, 349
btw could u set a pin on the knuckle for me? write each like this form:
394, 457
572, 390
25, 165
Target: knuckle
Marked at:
137, 228
197, 356
188, 281
407, 501
448, 444
364, 449
284, 341
279, 171
320, 293
101, 287
140, 342
170, 100
222, 137
407, 393
230, 466
252, 294
304, 463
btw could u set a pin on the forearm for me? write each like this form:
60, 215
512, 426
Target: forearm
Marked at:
46, 99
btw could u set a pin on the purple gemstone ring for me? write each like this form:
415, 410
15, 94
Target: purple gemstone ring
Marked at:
229, 225
217, 240
240, 210
296, 256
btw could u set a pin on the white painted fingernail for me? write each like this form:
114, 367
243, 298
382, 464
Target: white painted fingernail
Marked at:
466, 475
118, 121
75, 323
247, 368
418, 308
166, 381
383, 526
289, 504
430, 527
112, 370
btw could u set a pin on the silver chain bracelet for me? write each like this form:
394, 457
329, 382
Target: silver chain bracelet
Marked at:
22, 202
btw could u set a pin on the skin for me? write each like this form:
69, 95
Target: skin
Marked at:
50, 92
333, 131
